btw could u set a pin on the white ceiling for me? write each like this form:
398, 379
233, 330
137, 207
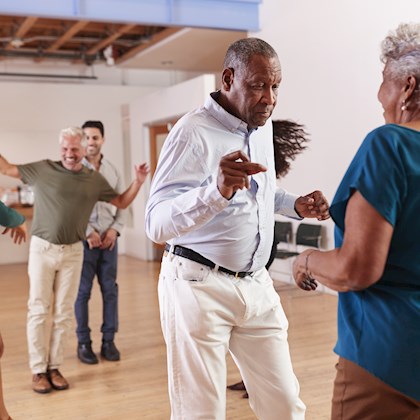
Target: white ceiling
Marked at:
190, 49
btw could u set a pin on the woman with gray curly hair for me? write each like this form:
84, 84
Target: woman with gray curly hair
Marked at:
376, 266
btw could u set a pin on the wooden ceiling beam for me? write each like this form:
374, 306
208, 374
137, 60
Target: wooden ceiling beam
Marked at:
73, 30
110, 39
25, 26
156, 38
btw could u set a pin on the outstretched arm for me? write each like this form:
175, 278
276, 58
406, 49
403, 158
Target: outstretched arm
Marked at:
18, 234
14, 223
123, 200
8, 169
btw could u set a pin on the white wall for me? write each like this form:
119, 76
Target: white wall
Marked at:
160, 106
31, 116
329, 51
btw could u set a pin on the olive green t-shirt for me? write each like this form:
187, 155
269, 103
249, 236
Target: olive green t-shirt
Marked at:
63, 199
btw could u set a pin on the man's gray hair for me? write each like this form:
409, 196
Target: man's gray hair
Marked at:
240, 52
73, 132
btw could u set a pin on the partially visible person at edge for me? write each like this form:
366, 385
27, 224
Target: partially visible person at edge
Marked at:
15, 224
65, 193
289, 140
212, 200
100, 255
376, 266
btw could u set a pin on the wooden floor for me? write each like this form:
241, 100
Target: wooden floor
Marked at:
135, 387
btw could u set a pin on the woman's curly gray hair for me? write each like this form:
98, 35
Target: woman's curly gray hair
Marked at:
401, 53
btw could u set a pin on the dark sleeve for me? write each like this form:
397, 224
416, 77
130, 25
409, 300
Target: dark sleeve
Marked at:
9, 217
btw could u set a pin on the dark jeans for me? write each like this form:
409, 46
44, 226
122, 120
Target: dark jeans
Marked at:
103, 264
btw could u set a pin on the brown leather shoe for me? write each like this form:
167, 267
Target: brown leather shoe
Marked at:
57, 380
40, 383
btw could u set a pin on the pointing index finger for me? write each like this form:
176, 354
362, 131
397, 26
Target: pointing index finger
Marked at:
253, 168
239, 161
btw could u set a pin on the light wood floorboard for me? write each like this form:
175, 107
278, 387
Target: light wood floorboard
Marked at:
135, 387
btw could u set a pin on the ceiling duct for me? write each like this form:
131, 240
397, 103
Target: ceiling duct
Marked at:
48, 76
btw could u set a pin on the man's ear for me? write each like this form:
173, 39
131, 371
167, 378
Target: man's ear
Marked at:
227, 78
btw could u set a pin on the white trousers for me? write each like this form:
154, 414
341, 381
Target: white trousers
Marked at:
54, 276
205, 314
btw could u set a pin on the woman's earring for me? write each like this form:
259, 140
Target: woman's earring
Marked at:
403, 106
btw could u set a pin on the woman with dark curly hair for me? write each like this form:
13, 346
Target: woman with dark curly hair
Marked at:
289, 140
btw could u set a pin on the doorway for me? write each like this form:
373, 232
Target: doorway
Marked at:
157, 137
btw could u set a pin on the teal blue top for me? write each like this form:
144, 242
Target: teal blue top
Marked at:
9, 217
379, 327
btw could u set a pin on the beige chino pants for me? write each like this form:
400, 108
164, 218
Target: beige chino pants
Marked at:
54, 275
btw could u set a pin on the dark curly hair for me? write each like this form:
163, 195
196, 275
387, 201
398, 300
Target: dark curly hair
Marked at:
289, 140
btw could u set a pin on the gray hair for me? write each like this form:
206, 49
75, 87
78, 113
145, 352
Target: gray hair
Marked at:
73, 132
240, 52
401, 53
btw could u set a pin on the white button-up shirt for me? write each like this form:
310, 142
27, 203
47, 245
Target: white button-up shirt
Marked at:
185, 206
105, 215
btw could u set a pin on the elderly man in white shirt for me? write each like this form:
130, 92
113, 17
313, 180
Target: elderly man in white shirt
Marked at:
212, 200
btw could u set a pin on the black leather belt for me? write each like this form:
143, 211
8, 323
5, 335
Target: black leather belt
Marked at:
195, 256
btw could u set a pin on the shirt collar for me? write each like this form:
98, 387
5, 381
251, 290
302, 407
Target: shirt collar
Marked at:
231, 122
86, 163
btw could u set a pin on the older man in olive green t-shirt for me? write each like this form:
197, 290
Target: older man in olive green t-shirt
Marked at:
65, 194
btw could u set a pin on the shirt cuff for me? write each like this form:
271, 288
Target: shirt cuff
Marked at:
117, 227
288, 206
89, 230
214, 198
